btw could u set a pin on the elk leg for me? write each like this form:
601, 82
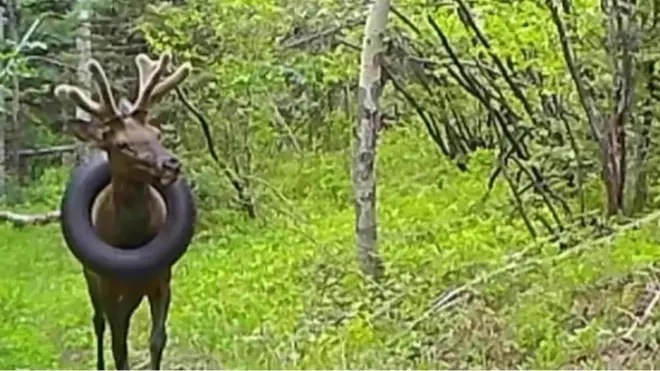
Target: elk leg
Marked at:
159, 303
99, 322
119, 316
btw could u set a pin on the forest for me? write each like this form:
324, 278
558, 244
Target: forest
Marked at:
378, 185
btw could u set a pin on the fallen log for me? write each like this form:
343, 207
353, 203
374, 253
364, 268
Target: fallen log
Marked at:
30, 152
21, 220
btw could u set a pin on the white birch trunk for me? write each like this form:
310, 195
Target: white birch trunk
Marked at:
84, 47
365, 146
15, 127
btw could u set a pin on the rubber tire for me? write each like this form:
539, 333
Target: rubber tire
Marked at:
163, 251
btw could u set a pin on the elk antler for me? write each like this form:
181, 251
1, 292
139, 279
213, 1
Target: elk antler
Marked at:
149, 89
104, 110
149, 72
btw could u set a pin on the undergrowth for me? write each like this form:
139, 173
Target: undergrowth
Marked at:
465, 287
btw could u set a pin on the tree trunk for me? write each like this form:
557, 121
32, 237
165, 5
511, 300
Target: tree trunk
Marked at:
622, 51
614, 165
84, 46
364, 151
3, 115
14, 137
638, 185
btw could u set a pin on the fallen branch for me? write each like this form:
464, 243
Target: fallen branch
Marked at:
21, 220
640, 321
446, 299
28, 152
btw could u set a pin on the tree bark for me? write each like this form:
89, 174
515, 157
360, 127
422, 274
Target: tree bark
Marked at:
14, 135
638, 185
623, 46
365, 145
609, 128
84, 46
3, 115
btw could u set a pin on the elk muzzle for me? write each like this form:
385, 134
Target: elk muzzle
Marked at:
169, 168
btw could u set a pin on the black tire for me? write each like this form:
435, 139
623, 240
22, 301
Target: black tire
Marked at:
161, 252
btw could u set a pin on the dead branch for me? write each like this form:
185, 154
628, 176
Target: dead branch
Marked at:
465, 80
578, 158
588, 104
30, 152
323, 34
541, 189
231, 175
22, 220
640, 321
514, 191
466, 16
407, 21
429, 122
477, 90
522, 266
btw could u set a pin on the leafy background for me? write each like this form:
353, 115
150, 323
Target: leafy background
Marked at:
493, 260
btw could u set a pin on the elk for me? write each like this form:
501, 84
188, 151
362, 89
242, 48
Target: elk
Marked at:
120, 233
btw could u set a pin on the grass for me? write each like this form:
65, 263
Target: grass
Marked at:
283, 292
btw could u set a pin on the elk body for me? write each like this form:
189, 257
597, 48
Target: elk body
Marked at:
129, 212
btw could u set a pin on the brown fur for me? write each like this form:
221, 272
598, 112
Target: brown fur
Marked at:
147, 212
129, 212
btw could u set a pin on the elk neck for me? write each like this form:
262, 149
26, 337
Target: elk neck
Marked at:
133, 212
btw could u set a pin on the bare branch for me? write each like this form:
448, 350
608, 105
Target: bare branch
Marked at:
593, 116
29, 152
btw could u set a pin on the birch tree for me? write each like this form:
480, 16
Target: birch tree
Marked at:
365, 144
14, 140
84, 47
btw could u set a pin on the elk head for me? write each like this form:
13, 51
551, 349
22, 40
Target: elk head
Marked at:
133, 144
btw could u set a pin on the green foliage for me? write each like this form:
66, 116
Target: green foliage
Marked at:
284, 292
277, 82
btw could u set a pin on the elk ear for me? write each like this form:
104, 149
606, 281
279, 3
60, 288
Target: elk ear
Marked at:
86, 131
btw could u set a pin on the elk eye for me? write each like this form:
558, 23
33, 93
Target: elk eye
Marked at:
121, 145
